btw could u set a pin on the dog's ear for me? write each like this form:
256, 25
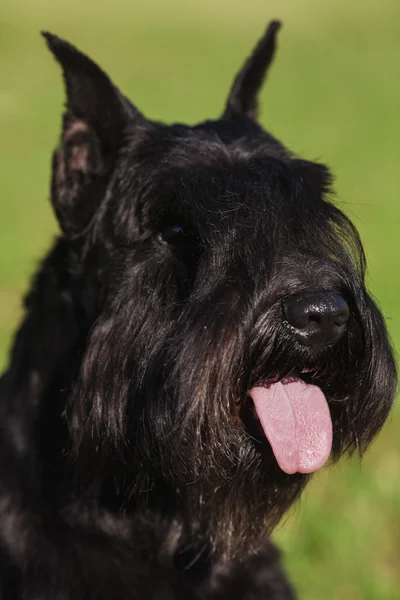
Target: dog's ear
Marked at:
243, 97
94, 121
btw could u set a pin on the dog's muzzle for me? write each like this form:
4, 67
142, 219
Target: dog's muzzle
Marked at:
317, 318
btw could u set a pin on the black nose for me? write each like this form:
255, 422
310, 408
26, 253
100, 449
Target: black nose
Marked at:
319, 318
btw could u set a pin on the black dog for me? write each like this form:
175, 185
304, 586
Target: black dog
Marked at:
197, 341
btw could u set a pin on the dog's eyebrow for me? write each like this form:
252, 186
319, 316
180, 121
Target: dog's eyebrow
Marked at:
242, 98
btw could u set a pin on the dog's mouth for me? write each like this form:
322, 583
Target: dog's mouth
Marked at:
295, 418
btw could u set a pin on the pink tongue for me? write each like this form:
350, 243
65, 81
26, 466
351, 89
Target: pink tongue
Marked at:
296, 421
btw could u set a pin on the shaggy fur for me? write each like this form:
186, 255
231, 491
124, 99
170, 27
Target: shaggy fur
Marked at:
131, 463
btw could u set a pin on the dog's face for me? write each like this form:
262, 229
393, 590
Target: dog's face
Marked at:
231, 344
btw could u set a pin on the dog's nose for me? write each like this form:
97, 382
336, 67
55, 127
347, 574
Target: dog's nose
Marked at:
318, 318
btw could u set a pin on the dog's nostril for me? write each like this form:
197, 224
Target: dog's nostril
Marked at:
342, 314
318, 317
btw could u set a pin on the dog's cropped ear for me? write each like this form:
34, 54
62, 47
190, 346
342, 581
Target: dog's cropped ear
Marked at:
94, 121
243, 97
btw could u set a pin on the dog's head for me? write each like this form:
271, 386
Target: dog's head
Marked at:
231, 345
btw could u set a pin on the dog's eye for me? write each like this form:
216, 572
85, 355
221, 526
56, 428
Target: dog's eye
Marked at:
176, 229
181, 239
173, 233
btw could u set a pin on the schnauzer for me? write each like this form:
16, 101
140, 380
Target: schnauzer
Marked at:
197, 342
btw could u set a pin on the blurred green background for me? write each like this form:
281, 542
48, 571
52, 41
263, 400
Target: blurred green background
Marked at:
333, 94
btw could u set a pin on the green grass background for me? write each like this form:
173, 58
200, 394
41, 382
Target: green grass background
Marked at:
333, 94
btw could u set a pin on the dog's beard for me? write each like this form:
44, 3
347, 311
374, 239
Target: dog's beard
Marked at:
232, 481
170, 419
223, 474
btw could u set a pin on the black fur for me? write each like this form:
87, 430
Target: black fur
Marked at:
131, 465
